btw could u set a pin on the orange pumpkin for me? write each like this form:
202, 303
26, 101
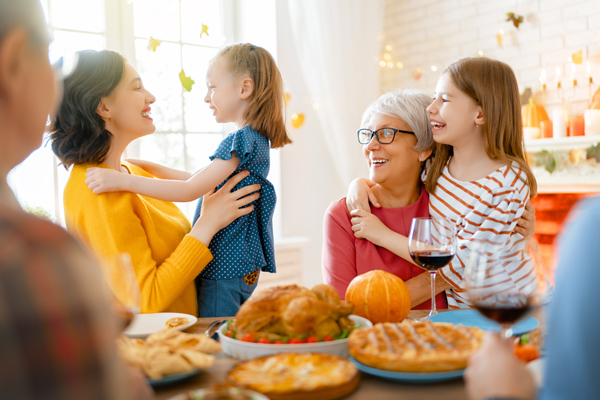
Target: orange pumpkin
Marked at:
379, 296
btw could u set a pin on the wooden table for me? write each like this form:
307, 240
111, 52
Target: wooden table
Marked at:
371, 388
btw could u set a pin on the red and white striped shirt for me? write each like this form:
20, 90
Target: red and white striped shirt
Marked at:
486, 209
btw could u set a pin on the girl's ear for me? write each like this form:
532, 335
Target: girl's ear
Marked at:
479, 119
103, 109
247, 87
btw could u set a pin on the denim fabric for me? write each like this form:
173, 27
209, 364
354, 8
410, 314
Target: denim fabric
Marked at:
222, 297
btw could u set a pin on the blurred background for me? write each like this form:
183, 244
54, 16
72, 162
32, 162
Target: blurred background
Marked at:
336, 57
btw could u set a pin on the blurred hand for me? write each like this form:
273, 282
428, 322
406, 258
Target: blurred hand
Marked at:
101, 180
495, 372
367, 226
360, 195
139, 388
526, 224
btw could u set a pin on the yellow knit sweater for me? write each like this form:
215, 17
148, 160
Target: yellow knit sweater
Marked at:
165, 258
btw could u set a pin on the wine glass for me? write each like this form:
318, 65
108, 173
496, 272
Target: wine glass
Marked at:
432, 245
120, 276
505, 280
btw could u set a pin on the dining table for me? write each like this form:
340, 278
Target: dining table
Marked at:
370, 388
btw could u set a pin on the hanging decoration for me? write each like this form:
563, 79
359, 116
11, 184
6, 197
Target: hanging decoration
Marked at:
153, 44
297, 120
186, 81
204, 30
577, 57
499, 38
516, 19
416, 74
287, 96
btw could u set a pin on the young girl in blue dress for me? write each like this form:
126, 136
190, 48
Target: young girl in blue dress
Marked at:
245, 88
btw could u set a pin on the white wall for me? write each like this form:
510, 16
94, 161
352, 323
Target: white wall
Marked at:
423, 33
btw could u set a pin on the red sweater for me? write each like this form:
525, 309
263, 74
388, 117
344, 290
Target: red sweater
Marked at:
345, 256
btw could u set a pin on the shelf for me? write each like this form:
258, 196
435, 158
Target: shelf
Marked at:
566, 143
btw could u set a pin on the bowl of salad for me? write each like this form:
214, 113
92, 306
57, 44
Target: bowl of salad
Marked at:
248, 346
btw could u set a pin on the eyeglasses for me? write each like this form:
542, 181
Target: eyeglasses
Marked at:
383, 135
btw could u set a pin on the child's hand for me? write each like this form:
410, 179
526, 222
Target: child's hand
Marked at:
360, 194
367, 226
101, 180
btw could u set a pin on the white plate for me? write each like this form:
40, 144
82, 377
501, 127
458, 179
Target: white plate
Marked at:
199, 394
246, 351
146, 324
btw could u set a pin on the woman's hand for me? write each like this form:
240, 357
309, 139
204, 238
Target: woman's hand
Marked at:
367, 226
526, 224
221, 208
495, 372
360, 194
101, 180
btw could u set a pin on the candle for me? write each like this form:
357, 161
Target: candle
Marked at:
577, 126
592, 122
546, 127
559, 123
588, 72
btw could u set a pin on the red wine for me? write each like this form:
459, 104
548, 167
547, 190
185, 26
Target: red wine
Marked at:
432, 260
504, 313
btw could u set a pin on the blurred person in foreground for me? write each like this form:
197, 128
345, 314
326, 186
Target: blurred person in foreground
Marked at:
57, 331
572, 361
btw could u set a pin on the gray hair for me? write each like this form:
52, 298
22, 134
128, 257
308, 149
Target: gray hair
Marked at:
409, 105
27, 14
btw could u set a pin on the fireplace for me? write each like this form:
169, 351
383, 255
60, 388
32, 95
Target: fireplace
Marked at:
551, 210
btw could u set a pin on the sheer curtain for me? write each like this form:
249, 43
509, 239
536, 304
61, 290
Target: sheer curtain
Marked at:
338, 44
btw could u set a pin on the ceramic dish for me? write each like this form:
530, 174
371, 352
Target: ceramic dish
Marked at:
169, 379
200, 394
245, 350
146, 324
409, 377
474, 318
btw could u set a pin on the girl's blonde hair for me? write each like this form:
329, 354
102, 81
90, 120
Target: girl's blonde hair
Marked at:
493, 86
266, 111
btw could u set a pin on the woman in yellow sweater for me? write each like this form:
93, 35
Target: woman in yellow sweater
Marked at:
105, 107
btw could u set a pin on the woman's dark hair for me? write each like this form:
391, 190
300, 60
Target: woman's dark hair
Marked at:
79, 135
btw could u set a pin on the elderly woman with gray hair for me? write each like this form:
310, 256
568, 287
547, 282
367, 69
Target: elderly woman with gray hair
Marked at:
397, 140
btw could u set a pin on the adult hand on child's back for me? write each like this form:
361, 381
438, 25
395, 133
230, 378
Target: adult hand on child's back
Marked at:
221, 208
526, 224
101, 180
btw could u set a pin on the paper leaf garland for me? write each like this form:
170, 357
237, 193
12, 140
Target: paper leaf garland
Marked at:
416, 74
204, 30
516, 19
297, 120
153, 44
499, 39
287, 98
578, 57
186, 81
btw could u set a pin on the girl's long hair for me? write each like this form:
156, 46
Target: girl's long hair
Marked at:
493, 86
266, 111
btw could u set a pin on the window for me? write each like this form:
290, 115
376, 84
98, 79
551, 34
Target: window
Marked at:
186, 132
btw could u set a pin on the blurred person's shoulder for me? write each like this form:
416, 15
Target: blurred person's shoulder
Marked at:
21, 229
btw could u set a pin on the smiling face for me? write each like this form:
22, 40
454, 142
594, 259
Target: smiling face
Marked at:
454, 115
126, 111
394, 163
224, 94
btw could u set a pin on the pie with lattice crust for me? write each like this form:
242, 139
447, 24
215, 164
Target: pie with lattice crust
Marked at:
415, 346
293, 376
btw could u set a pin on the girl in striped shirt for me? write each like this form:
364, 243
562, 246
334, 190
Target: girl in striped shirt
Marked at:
478, 176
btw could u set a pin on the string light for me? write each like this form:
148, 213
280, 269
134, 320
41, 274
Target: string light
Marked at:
382, 63
388, 47
433, 68
399, 65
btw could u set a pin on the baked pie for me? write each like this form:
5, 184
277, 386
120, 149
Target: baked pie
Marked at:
415, 346
293, 376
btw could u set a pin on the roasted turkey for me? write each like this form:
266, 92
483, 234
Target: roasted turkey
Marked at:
294, 310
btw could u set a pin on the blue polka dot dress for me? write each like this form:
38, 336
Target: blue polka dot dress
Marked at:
247, 243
